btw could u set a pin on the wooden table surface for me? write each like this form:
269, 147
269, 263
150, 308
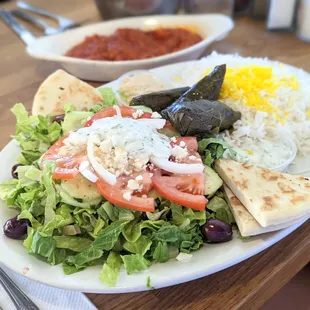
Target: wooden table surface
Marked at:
247, 285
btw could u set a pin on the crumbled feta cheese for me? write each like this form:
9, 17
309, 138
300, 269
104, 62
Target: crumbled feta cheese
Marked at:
105, 146
127, 195
192, 157
133, 185
182, 144
183, 257
151, 166
137, 114
173, 139
76, 139
179, 152
140, 163
156, 115
144, 196
120, 159
139, 178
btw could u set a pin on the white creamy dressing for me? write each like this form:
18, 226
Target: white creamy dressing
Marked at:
139, 138
260, 152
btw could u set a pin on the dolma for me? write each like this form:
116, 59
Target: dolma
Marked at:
207, 88
200, 117
160, 100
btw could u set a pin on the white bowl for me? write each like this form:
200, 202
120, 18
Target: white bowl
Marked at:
212, 27
284, 166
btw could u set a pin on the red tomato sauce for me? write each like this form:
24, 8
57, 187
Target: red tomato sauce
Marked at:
132, 44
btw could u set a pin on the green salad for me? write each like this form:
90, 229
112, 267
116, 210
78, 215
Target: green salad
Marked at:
80, 231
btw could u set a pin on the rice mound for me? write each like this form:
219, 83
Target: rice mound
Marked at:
257, 124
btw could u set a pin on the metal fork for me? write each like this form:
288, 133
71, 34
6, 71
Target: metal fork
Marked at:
48, 30
23, 33
64, 23
20, 300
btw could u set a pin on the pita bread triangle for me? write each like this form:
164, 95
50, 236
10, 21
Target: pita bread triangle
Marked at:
61, 88
272, 198
246, 223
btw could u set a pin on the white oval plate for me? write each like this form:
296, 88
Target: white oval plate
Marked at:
209, 259
212, 27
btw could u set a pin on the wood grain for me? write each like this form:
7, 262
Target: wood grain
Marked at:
247, 285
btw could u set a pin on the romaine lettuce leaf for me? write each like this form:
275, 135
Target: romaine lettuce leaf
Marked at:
140, 246
76, 244
221, 210
135, 262
51, 198
161, 252
109, 235
212, 149
35, 134
110, 269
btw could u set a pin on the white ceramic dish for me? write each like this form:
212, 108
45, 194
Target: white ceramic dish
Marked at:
209, 259
212, 27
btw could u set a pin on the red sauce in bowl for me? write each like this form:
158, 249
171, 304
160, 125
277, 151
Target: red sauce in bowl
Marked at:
133, 44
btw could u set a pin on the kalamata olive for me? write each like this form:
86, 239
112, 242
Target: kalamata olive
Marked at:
59, 118
216, 231
157, 202
15, 228
14, 172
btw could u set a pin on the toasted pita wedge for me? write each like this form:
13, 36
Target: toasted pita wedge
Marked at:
61, 88
272, 198
247, 224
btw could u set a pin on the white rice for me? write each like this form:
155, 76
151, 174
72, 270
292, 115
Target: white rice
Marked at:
257, 124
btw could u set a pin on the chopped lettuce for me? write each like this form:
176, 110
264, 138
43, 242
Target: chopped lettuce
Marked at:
221, 210
76, 244
35, 134
109, 99
140, 246
148, 283
135, 262
212, 149
51, 199
110, 269
79, 233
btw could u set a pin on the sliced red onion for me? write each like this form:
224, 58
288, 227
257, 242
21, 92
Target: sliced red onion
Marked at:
177, 168
101, 171
87, 173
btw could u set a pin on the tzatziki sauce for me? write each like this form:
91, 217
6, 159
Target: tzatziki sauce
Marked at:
266, 153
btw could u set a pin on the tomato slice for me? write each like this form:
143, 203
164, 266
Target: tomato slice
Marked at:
146, 182
115, 195
67, 167
125, 112
184, 189
111, 111
191, 145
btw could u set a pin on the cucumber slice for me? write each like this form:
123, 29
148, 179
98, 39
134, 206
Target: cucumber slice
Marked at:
75, 120
213, 181
143, 108
81, 188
